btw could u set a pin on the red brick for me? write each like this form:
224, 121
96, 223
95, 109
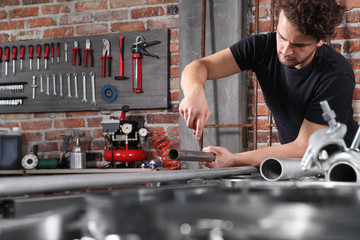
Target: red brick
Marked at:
147, 12
55, 9
59, 32
36, 125
9, 125
76, 19
161, 1
264, 26
20, 116
357, 77
347, 33
8, 3
174, 34
92, 29
24, 12
80, 114
128, 26
98, 145
174, 59
69, 123
174, 107
54, 135
174, 47
92, 5
32, 2
356, 94
174, 72
32, 136
351, 46
12, 25
355, 63
48, 115
172, 9
174, 96
48, 147
163, 23
3, 14
111, 16
174, 84
98, 133
351, 3
163, 118
94, 122
125, 3
26, 35
4, 37
41, 22
173, 131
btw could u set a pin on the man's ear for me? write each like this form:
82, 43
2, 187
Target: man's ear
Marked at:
320, 43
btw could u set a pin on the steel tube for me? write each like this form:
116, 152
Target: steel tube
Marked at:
52, 183
274, 169
188, 155
344, 167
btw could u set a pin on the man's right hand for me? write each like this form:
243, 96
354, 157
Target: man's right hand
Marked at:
195, 111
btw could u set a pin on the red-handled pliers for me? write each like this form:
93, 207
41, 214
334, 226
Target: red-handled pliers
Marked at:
88, 51
76, 52
106, 57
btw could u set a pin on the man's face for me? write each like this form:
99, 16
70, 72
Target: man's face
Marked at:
295, 50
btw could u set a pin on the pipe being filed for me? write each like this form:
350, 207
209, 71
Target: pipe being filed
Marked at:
274, 169
188, 155
39, 184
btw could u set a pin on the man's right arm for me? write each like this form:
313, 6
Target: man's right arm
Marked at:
194, 107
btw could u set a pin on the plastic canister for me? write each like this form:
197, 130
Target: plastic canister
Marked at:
10, 148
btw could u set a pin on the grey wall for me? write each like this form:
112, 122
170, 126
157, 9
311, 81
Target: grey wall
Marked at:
227, 98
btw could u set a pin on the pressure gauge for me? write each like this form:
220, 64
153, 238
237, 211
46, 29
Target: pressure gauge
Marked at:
143, 132
126, 128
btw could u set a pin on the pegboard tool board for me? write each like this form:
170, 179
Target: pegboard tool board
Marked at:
56, 89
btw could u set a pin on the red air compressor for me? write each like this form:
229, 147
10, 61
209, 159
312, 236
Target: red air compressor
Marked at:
123, 140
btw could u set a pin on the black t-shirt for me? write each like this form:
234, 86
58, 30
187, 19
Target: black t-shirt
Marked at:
293, 95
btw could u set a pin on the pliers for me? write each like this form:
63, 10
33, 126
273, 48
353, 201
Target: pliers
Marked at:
76, 52
106, 57
88, 51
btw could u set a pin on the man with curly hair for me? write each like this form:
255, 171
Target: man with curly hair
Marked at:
296, 71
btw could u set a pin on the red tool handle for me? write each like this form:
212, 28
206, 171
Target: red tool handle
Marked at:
121, 56
47, 50
103, 66
7, 54
136, 73
58, 49
22, 52
38, 51
14, 52
1, 53
31, 51
52, 49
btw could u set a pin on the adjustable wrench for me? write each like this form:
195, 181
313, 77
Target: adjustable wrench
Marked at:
41, 84
54, 84
47, 84
68, 75
60, 85
93, 101
84, 100
75, 86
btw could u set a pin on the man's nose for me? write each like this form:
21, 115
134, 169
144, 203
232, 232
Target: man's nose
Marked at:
287, 49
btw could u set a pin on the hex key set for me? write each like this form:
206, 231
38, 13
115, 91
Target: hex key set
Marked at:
80, 73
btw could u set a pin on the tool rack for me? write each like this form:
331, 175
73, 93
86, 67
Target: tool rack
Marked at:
16, 90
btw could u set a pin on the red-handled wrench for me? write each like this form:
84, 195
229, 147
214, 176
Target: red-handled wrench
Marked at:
106, 59
121, 60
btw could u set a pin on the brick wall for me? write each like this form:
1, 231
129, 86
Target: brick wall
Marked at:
346, 41
38, 19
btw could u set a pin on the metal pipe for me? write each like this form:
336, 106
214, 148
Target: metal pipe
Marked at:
274, 169
10, 186
344, 167
188, 155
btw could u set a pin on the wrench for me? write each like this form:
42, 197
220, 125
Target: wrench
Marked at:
76, 90
84, 100
60, 85
47, 84
34, 86
69, 85
54, 84
93, 101
41, 84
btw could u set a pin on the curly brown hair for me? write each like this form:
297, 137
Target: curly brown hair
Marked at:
316, 18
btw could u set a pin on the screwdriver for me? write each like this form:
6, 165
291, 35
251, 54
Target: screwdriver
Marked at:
22, 56
38, 56
46, 54
58, 53
14, 55
52, 52
7, 59
31, 52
